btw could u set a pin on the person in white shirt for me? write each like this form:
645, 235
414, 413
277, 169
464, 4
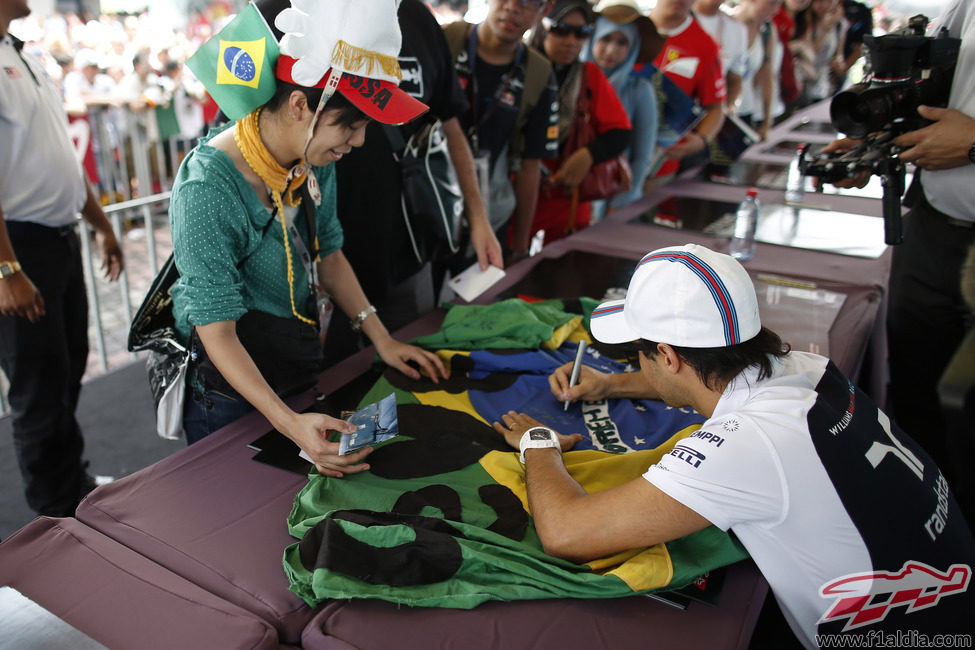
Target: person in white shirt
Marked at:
43, 301
851, 523
731, 38
925, 306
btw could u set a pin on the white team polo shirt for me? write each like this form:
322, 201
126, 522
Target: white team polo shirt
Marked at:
950, 190
40, 178
821, 491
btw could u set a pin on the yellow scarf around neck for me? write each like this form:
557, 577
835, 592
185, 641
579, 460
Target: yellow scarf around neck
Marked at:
283, 183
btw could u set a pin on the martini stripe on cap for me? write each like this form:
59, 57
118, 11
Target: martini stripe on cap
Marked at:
606, 311
722, 299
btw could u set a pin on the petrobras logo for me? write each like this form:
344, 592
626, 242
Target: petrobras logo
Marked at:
916, 586
240, 62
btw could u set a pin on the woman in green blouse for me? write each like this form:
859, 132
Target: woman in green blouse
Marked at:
256, 238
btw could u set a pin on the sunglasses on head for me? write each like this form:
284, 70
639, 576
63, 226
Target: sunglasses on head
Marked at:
565, 29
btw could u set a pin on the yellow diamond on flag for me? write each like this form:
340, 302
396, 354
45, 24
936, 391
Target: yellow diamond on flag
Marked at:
240, 62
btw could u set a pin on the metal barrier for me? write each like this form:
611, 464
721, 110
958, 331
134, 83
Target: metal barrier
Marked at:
110, 304
124, 155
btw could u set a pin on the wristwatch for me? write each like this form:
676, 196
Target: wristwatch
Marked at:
9, 268
971, 153
538, 438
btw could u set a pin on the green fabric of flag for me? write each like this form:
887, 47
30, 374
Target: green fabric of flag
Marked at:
511, 323
441, 517
237, 65
462, 537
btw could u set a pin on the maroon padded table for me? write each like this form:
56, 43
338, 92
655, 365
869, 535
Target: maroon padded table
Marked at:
117, 597
212, 515
634, 623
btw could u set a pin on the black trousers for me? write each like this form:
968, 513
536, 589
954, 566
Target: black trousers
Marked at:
926, 321
44, 363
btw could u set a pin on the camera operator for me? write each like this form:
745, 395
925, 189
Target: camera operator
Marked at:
926, 316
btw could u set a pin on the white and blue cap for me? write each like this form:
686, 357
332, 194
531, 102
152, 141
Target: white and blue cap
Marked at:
688, 296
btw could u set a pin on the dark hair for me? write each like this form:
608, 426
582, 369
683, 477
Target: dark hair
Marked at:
721, 365
348, 113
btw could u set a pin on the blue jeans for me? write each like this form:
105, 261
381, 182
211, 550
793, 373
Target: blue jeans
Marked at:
206, 411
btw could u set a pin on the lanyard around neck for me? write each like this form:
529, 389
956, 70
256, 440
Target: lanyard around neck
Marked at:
499, 91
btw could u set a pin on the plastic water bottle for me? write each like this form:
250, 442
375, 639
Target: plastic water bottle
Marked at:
795, 190
746, 222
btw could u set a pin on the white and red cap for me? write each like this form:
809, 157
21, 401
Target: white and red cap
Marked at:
688, 296
351, 46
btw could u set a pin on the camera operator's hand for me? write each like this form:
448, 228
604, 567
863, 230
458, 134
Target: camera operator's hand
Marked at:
843, 145
942, 145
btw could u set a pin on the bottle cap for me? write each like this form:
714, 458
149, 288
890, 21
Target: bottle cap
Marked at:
752, 191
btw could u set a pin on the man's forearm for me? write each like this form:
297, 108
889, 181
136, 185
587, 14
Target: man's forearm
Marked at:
711, 122
463, 159
6, 248
93, 213
733, 83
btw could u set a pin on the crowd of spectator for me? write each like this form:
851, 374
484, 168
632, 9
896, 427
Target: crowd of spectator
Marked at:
123, 78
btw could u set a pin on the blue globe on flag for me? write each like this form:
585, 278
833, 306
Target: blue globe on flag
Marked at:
239, 63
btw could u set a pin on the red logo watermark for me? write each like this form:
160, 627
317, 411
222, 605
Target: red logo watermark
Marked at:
916, 586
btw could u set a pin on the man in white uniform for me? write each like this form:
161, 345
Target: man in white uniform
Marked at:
732, 42
43, 303
927, 318
851, 523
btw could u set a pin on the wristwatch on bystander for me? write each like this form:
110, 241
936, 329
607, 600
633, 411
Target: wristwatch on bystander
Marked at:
971, 153
9, 268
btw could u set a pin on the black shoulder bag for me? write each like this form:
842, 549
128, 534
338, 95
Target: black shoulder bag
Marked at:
431, 201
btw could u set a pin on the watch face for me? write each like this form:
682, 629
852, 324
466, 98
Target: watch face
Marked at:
539, 434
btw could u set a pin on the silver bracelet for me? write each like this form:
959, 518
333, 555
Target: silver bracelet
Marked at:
361, 317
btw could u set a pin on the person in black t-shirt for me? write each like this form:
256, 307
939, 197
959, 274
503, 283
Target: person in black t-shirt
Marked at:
497, 72
377, 243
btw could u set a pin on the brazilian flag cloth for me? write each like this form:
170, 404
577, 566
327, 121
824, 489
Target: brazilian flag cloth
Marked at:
441, 519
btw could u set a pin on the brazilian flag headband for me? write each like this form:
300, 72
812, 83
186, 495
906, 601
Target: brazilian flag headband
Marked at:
349, 46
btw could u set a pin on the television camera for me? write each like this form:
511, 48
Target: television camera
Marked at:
907, 69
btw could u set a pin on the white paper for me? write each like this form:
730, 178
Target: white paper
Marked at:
472, 282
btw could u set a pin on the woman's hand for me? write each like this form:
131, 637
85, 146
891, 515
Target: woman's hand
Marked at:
309, 431
398, 355
515, 424
573, 170
593, 385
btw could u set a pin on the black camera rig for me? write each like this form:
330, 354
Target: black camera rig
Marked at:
907, 69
